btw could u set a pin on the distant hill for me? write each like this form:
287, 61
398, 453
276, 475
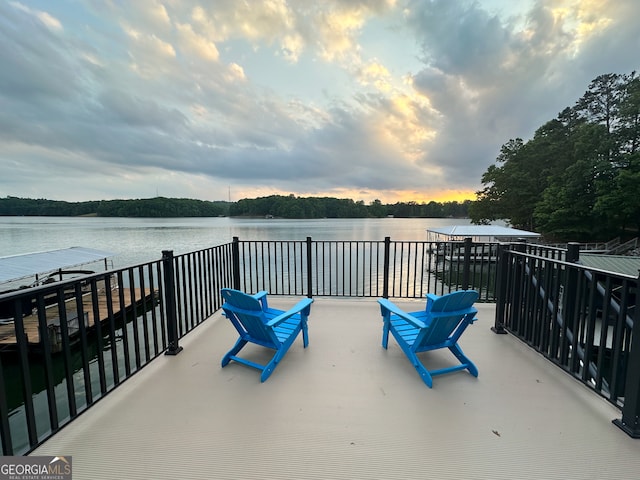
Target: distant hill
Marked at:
151, 207
272, 206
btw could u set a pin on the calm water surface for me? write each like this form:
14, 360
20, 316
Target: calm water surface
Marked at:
137, 240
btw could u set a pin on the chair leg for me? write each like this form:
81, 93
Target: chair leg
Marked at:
385, 334
305, 333
267, 371
424, 373
236, 348
457, 351
273, 363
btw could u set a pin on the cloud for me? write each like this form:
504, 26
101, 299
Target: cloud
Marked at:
381, 98
259, 23
48, 20
149, 44
493, 79
376, 74
32, 65
201, 46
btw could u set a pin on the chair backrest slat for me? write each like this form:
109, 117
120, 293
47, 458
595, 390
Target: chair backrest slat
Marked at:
254, 326
246, 314
445, 314
460, 300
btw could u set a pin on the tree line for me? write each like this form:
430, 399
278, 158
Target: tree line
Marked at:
578, 178
150, 207
279, 206
327, 207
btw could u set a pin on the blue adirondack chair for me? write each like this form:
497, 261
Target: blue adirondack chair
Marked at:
439, 325
259, 324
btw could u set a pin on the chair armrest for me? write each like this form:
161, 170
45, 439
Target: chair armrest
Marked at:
466, 312
299, 307
473, 317
391, 307
431, 297
262, 296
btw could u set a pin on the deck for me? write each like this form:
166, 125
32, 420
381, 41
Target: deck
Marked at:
345, 408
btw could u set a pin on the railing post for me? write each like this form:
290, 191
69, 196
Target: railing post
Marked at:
570, 321
170, 299
573, 252
518, 276
466, 265
630, 421
385, 270
235, 262
309, 269
501, 289
5, 429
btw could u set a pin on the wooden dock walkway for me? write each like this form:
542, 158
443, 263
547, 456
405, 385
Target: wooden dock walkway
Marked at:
8, 335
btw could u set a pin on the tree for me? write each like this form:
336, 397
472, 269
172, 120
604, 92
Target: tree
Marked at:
574, 180
629, 131
376, 209
617, 201
601, 101
513, 187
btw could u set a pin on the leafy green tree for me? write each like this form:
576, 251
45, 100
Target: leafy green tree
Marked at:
574, 180
617, 204
601, 102
565, 209
501, 184
629, 130
376, 209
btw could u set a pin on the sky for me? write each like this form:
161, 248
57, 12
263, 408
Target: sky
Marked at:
386, 100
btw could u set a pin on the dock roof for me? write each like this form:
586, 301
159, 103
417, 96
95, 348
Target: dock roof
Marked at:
479, 232
624, 264
16, 267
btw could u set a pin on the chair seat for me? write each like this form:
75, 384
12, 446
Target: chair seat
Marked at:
405, 330
287, 328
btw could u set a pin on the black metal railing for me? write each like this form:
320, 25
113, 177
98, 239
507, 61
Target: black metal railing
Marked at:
581, 319
57, 360
403, 269
71, 343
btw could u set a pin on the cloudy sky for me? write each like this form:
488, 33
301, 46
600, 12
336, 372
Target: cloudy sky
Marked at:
396, 100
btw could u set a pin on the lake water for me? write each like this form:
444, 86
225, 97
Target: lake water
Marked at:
138, 240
